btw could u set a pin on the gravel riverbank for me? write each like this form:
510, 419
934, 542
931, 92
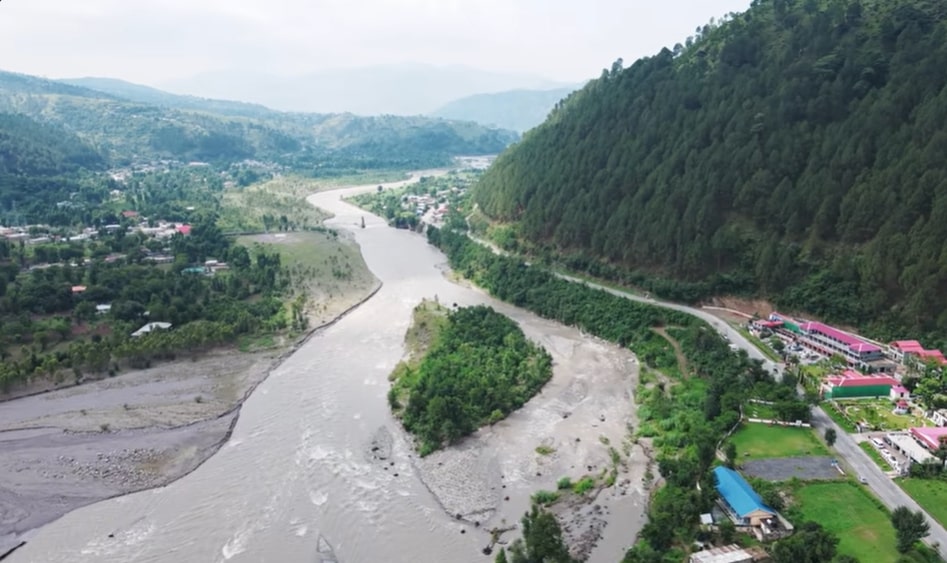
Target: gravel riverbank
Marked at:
78, 445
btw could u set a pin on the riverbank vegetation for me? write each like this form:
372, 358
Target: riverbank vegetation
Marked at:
404, 207
476, 368
542, 541
685, 421
821, 189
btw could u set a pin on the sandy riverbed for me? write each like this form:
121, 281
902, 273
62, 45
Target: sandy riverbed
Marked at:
78, 445
586, 408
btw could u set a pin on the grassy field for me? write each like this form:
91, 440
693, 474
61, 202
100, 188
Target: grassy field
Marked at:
850, 512
930, 494
839, 418
260, 207
758, 410
328, 271
878, 414
875, 455
755, 441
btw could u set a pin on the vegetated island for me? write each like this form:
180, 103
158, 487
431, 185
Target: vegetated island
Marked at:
466, 367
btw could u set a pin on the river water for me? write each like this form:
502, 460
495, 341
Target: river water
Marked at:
297, 475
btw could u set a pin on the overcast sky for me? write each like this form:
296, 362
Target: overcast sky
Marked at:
150, 41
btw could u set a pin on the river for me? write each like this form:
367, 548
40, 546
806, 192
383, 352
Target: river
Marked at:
297, 475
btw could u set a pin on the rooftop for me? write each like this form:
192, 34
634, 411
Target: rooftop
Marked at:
853, 342
907, 345
909, 445
726, 554
852, 378
930, 437
738, 493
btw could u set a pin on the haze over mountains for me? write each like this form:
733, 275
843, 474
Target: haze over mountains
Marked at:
409, 89
518, 110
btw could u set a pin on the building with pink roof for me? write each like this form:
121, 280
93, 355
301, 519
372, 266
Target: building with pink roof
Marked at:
900, 392
184, 229
911, 351
830, 341
931, 437
851, 383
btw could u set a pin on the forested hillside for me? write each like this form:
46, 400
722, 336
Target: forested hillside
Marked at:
40, 165
156, 125
796, 151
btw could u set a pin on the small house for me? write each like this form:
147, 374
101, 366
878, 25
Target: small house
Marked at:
900, 392
744, 506
901, 407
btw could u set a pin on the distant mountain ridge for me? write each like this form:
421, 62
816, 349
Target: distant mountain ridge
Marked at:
127, 122
383, 89
519, 110
154, 96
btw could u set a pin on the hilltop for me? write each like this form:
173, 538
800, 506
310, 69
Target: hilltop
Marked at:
519, 110
794, 151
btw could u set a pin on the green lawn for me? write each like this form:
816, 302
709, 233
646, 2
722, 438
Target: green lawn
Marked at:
875, 455
850, 512
878, 413
931, 494
755, 441
839, 418
761, 411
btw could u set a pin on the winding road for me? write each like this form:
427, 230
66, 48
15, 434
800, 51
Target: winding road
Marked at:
845, 446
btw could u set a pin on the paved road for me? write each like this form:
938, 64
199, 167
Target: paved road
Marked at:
854, 457
884, 488
719, 324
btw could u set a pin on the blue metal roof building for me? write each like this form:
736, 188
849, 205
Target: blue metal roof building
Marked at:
742, 502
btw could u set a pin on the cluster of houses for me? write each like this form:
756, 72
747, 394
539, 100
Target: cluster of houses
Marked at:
40, 234
874, 370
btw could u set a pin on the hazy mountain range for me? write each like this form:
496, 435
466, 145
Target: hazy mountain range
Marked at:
409, 89
518, 110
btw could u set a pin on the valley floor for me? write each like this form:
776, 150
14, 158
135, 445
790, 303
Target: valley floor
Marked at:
142, 429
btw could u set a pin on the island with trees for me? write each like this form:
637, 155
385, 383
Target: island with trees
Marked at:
469, 366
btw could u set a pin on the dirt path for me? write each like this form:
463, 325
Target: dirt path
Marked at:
681, 359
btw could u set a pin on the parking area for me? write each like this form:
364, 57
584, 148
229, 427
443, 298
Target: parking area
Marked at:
807, 468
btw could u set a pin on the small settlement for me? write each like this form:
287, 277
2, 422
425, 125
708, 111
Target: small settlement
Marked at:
872, 370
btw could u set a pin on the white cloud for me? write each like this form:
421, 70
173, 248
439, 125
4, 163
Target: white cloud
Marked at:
150, 41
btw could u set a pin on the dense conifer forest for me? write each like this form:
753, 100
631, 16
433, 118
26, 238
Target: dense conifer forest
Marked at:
794, 151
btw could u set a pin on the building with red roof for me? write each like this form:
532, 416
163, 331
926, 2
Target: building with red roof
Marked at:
930, 437
184, 229
911, 351
851, 383
830, 341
